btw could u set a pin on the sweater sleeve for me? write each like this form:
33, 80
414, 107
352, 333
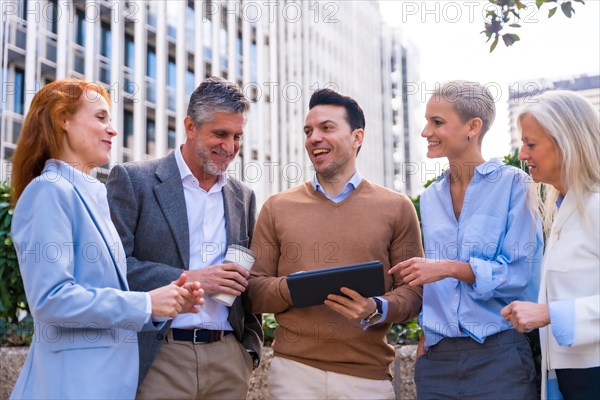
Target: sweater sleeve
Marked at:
404, 301
267, 291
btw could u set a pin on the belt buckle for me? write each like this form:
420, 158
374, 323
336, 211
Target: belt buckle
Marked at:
194, 337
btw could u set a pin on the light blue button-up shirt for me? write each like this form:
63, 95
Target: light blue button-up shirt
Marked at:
498, 234
349, 187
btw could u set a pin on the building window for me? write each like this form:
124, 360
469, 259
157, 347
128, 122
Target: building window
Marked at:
171, 79
19, 99
129, 51
171, 72
190, 27
53, 15
190, 82
151, 63
253, 62
105, 52
171, 138
207, 36
80, 27
21, 9
224, 43
128, 129
240, 63
105, 40
150, 138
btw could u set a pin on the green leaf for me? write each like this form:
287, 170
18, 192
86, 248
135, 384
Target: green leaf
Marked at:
567, 9
510, 39
552, 12
493, 46
539, 3
515, 25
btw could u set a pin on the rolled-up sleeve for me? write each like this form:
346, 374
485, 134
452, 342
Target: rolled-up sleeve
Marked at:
510, 271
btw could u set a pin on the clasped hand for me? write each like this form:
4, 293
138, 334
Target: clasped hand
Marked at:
178, 297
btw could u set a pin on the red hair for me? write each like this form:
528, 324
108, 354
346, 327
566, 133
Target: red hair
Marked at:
42, 134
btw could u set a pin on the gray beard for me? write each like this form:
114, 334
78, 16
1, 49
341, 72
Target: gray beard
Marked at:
210, 167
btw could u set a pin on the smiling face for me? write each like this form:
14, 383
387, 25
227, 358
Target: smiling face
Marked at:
541, 153
445, 133
89, 133
330, 142
210, 148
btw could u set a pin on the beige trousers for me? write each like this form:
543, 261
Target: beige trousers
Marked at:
183, 370
293, 380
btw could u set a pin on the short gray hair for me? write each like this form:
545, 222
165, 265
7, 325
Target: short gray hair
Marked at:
215, 95
470, 100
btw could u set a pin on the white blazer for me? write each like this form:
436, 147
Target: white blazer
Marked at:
571, 270
73, 269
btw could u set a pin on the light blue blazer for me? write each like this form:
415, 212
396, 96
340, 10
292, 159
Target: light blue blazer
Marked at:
74, 272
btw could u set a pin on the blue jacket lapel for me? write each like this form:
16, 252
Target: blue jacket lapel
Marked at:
105, 234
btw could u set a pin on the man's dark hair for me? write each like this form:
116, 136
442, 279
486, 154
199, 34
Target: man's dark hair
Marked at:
354, 114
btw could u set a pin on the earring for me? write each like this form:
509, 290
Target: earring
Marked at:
468, 138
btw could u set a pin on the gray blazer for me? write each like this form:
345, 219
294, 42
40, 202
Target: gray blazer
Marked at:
147, 206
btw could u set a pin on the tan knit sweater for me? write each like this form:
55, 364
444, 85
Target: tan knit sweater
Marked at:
301, 230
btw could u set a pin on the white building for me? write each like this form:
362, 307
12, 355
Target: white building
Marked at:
399, 64
150, 55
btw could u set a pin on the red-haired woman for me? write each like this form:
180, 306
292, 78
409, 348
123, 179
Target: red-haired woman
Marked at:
70, 255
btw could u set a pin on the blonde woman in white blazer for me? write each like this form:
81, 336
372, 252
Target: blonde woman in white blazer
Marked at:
561, 145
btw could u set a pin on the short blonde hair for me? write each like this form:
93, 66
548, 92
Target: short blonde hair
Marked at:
470, 100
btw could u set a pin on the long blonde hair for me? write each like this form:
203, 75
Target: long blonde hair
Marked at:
42, 134
574, 125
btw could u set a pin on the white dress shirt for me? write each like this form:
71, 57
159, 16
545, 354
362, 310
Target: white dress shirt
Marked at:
208, 242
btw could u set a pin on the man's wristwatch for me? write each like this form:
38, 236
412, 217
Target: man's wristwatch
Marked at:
375, 315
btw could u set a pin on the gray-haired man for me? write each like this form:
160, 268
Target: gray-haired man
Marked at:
180, 213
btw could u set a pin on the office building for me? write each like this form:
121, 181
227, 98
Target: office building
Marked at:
150, 55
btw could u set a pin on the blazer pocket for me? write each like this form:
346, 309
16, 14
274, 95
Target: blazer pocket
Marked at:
70, 339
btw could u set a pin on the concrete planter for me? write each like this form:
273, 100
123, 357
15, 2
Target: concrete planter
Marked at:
12, 359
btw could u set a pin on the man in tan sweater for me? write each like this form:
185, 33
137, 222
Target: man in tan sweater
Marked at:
338, 349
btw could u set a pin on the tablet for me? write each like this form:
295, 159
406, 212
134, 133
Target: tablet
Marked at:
312, 287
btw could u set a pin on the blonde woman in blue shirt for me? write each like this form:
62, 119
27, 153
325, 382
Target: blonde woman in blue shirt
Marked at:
483, 248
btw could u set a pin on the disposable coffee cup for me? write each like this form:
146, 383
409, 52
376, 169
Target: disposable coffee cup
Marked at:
239, 255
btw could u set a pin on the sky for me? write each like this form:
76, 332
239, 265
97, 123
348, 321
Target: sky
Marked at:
447, 36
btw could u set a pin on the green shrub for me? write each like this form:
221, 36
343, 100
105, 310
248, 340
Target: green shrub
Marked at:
12, 294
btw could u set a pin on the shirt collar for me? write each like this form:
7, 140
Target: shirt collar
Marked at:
353, 183
186, 173
484, 169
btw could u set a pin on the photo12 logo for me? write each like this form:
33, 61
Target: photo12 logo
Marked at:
289, 11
